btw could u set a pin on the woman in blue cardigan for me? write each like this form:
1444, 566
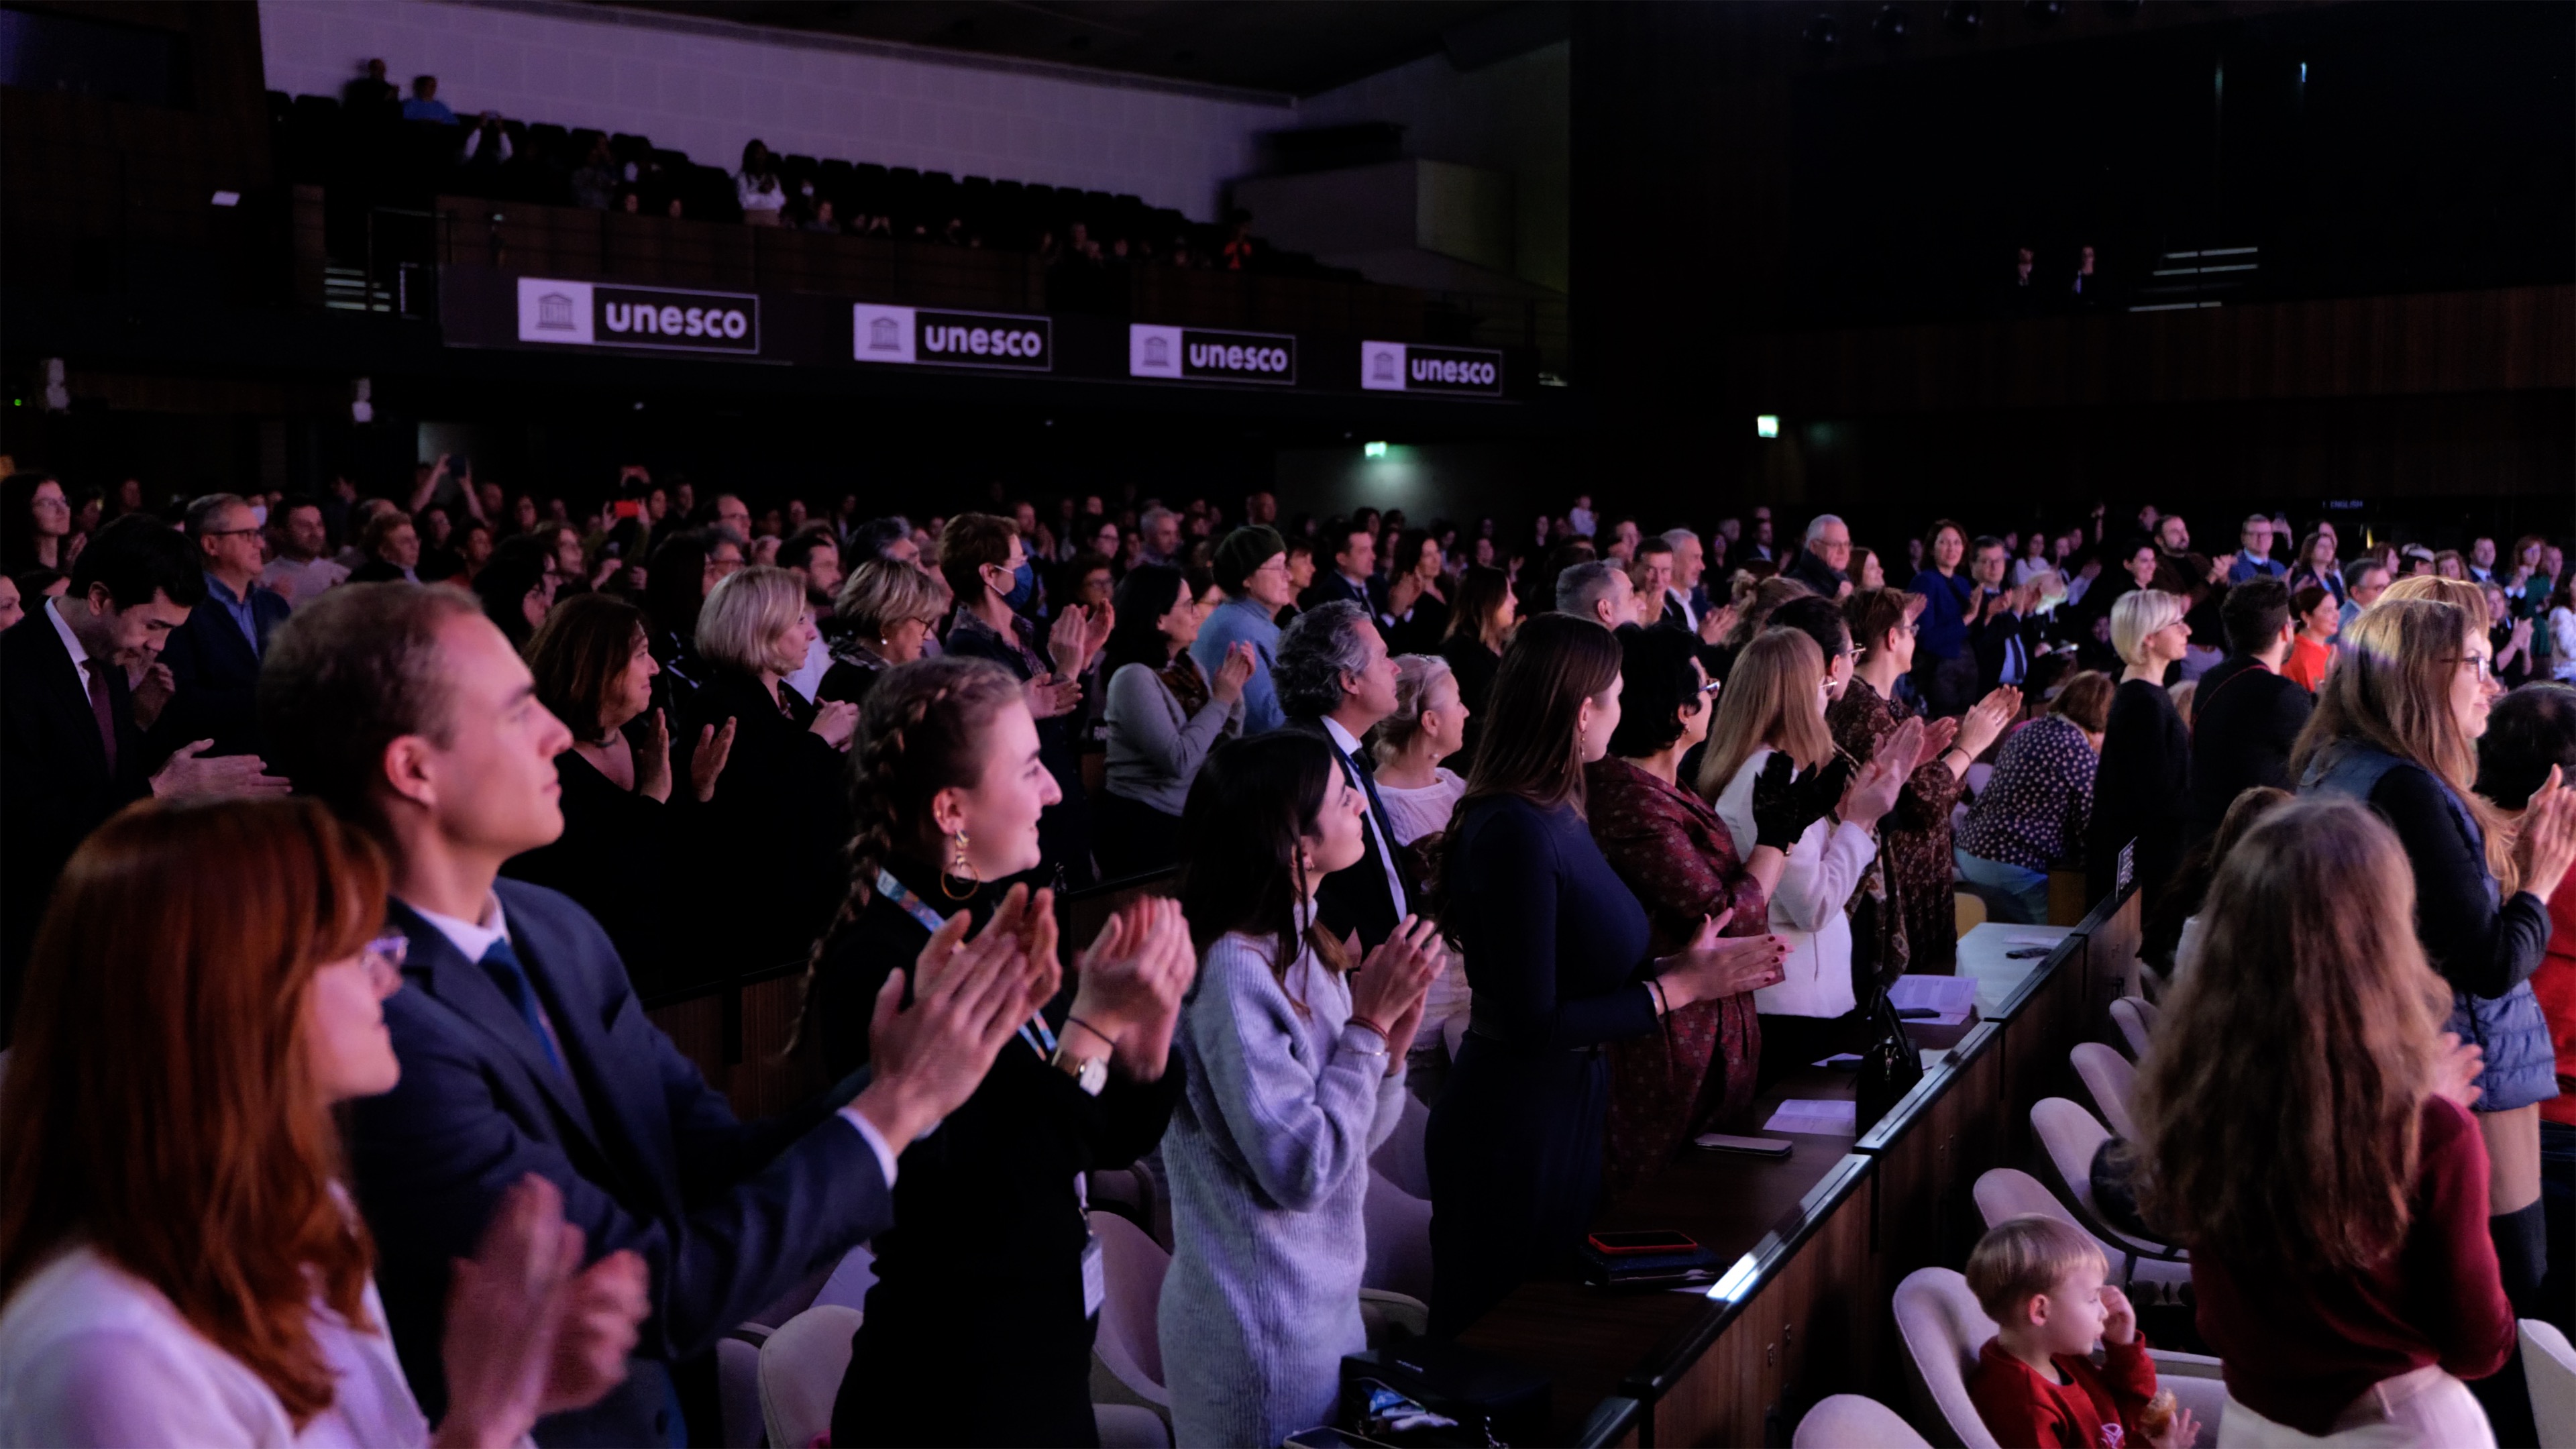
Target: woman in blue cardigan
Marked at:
1945, 667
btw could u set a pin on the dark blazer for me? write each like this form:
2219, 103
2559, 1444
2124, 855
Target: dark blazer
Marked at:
1816, 574
2244, 719
1329, 586
627, 860
769, 841
217, 672
1993, 639
728, 1215
55, 784
1356, 898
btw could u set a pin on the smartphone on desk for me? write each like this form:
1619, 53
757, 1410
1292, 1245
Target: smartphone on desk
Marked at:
1650, 1241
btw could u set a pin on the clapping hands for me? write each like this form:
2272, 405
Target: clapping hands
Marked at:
1133, 977
1389, 988
528, 1331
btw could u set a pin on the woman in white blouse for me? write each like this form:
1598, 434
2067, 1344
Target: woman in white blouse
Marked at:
1429, 725
179, 1261
1770, 736
757, 187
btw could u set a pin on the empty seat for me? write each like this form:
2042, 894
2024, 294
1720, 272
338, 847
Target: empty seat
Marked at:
2007, 1192
2070, 1136
2111, 1079
1129, 1345
2550, 1367
2133, 1018
801, 1366
1846, 1420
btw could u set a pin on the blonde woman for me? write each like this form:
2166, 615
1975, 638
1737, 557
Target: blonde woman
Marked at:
2396, 728
1769, 739
778, 817
892, 610
2143, 784
2331, 1191
1429, 725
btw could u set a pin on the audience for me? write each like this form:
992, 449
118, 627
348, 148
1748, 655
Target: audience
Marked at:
1294, 1060
2396, 729
1669, 848
2142, 787
1529, 786
1163, 717
404, 710
2246, 715
2036, 806
2332, 1192
1557, 953
177, 1254
1772, 774
987, 1242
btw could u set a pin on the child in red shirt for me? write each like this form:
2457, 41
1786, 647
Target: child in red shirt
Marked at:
2036, 1384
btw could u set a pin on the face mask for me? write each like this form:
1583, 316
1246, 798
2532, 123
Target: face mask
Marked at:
1024, 582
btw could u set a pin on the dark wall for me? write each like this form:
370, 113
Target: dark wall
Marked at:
1727, 172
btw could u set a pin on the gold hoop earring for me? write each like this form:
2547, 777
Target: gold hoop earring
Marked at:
962, 870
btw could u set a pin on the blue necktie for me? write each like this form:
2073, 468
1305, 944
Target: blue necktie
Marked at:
502, 965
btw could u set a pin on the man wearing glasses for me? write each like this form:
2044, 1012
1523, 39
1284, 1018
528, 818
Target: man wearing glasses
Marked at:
213, 660
1251, 567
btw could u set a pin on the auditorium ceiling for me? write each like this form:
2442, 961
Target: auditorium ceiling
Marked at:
1300, 47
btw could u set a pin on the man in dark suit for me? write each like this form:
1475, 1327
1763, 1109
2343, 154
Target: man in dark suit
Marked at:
2245, 716
1353, 575
1827, 552
523, 1048
214, 658
1336, 681
70, 754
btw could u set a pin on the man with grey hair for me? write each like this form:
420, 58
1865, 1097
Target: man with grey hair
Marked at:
1335, 682
1820, 564
1683, 603
1599, 591
1160, 527
209, 671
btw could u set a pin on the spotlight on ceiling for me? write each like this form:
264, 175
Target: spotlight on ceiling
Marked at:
1963, 17
1824, 32
2043, 12
1891, 24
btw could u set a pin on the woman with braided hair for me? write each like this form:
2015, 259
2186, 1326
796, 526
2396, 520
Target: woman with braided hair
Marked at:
989, 1239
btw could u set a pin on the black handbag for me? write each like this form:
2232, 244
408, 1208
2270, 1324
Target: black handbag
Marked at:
1889, 1069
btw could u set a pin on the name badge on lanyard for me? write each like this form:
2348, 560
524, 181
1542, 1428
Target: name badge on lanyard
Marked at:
1095, 1277
1039, 1036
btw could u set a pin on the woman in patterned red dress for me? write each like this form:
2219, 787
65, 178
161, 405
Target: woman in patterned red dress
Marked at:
1670, 848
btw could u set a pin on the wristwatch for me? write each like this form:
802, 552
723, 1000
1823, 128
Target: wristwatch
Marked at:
1089, 1073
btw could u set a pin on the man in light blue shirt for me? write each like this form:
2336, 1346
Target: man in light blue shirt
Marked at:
2254, 558
1251, 566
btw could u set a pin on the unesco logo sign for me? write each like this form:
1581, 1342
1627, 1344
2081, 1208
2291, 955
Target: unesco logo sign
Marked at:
951, 339
596, 314
1412, 367
1195, 355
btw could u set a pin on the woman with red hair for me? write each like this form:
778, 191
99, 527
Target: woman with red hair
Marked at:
179, 1262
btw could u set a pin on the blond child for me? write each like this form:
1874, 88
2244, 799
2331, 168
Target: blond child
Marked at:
2035, 1383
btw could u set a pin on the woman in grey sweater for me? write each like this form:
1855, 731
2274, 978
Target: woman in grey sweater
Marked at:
1294, 1076
1163, 717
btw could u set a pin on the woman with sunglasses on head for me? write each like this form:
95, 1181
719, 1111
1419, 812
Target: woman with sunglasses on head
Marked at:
179, 1258
2396, 727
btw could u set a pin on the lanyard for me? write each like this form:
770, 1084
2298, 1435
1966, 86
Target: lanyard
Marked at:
912, 905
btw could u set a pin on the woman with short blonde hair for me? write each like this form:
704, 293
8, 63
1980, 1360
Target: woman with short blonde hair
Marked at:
746, 616
2138, 616
2142, 786
892, 609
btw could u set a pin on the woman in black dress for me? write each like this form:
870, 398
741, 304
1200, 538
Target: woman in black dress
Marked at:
1556, 951
2142, 786
622, 854
776, 820
983, 1272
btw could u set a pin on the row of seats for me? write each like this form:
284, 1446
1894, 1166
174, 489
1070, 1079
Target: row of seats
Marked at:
318, 143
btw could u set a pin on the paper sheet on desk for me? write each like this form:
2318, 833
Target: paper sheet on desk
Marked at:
1818, 1118
1951, 998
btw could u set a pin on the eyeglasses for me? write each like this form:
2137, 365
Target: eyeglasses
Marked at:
383, 958
2485, 665
228, 532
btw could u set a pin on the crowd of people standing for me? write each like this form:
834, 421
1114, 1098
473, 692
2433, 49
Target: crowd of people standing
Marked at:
1581, 835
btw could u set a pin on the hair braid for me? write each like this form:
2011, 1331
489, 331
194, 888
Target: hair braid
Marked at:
916, 736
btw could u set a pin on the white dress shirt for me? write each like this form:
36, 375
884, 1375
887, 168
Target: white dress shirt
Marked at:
1807, 905
1351, 747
